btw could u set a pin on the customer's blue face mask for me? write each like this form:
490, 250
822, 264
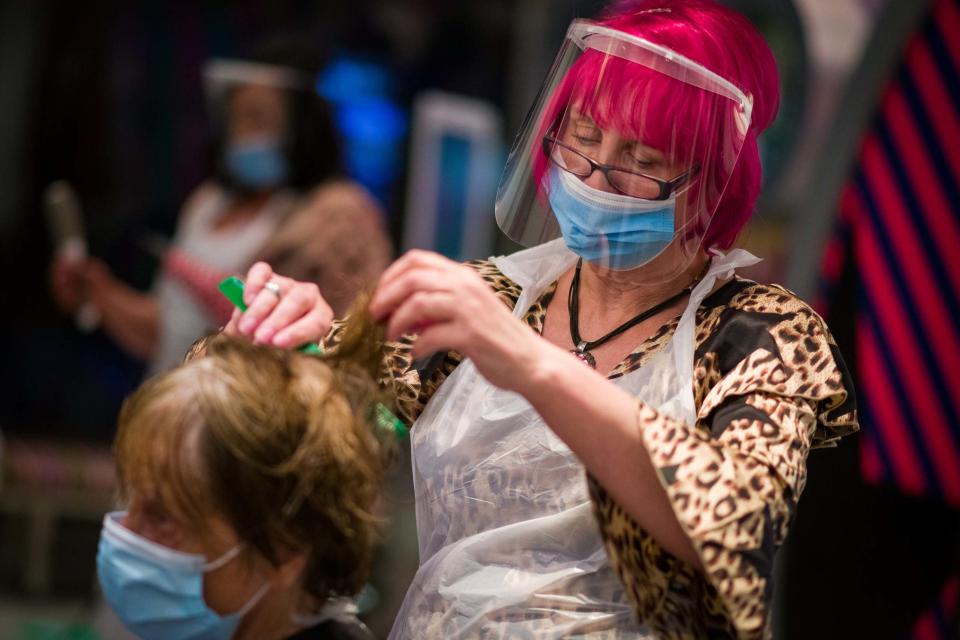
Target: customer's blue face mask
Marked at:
157, 592
609, 229
257, 164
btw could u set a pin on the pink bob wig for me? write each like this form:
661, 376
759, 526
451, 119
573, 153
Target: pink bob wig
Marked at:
721, 40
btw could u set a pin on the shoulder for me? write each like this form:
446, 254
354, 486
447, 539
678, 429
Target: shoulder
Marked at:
335, 209
763, 338
341, 195
741, 293
199, 199
334, 233
742, 316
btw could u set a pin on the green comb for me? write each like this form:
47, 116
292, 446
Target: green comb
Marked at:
388, 421
232, 288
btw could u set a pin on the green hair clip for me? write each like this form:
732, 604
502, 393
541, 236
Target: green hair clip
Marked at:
232, 288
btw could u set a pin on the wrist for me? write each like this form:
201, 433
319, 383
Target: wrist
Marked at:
542, 370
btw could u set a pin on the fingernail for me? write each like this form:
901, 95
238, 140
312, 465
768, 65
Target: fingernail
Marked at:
245, 326
263, 335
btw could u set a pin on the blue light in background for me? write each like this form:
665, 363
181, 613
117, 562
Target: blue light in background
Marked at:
373, 125
348, 78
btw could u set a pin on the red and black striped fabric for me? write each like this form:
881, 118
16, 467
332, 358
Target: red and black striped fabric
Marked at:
940, 620
901, 209
900, 213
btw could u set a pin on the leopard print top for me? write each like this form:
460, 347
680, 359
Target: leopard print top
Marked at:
769, 386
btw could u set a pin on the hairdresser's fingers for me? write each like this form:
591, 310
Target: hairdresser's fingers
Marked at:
261, 307
310, 328
258, 275
410, 259
415, 259
423, 271
230, 328
391, 294
299, 300
420, 311
439, 337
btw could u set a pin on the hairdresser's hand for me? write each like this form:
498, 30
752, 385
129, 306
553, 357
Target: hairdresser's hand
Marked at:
451, 307
298, 315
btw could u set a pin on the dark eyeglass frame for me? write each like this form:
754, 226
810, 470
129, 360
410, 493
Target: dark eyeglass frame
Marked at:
667, 187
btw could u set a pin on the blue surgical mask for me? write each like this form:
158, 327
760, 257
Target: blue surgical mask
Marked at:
157, 592
257, 164
609, 229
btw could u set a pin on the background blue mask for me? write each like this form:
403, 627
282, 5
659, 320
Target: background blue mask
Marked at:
609, 229
256, 164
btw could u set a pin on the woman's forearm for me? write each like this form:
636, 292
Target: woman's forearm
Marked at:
598, 421
130, 317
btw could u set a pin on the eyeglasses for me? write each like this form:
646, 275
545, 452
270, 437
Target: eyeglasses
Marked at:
629, 183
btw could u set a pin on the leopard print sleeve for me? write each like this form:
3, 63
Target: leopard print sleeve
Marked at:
769, 387
413, 387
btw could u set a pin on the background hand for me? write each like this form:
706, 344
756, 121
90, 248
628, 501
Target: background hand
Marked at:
66, 284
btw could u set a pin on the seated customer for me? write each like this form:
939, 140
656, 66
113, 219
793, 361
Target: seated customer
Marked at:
250, 476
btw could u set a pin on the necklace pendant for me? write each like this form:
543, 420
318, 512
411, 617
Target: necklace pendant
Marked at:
584, 356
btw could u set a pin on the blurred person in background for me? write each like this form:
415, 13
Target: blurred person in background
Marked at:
249, 476
691, 397
277, 193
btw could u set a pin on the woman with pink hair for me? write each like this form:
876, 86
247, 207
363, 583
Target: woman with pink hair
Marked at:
610, 428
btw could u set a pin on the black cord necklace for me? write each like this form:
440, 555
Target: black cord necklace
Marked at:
584, 347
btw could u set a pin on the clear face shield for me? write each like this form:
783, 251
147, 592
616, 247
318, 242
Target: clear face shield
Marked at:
626, 154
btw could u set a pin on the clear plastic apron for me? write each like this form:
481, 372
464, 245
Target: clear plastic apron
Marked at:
509, 547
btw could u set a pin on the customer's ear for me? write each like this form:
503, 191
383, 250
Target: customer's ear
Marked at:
288, 572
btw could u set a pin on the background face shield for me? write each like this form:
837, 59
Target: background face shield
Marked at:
651, 139
222, 78
220, 75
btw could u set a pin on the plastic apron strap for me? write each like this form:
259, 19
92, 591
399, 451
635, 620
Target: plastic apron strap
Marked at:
535, 269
